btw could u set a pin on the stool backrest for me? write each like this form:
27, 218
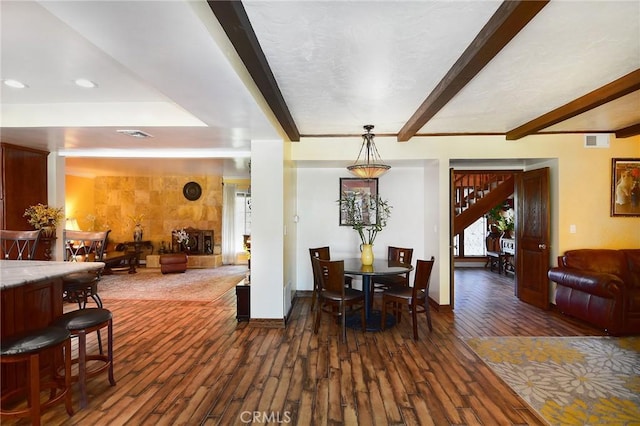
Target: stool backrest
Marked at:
84, 246
19, 245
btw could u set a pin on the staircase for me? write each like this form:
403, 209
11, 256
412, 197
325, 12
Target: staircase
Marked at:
478, 192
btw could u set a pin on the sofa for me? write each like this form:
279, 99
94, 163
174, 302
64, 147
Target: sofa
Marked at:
601, 287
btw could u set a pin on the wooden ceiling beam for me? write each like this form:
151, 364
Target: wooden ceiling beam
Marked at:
504, 25
627, 132
235, 22
607, 93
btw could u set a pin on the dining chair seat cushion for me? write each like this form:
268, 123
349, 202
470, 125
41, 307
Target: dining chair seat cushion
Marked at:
33, 341
404, 293
349, 294
391, 280
83, 318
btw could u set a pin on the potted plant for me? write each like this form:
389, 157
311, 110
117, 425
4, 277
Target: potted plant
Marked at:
44, 217
368, 215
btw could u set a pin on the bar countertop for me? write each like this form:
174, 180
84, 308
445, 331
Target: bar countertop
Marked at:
14, 273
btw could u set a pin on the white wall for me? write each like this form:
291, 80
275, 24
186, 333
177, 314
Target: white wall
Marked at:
318, 190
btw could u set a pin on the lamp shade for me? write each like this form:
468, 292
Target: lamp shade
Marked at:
72, 224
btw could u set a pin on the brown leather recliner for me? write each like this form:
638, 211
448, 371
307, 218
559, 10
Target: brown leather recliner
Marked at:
600, 286
174, 262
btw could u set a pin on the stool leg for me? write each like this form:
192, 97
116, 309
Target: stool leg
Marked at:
112, 380
34, 388
67, 376
82, 367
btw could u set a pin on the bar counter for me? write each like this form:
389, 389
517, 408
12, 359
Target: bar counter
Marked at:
15, 273
31, 298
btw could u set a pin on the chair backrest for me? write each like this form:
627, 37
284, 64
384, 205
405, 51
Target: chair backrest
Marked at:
400, 254
84, 246
318, 253
423, 275
19, 245
331, 275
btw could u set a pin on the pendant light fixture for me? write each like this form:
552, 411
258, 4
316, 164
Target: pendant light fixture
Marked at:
370, 166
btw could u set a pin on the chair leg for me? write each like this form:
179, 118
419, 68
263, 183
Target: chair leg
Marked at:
427, 310
318, 314
313, 299
67, 376
343, 322
383, 316
414, 319
112, 380
82, 367
34, 387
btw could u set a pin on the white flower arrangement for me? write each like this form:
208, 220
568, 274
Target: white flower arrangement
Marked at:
181, 236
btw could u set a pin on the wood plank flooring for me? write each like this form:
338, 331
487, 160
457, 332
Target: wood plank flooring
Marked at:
191, 363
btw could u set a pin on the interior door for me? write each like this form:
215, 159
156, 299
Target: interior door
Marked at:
533, 236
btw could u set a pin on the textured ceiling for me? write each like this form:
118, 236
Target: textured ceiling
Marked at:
168, 68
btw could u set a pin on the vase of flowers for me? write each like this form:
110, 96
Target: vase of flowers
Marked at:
506, 223
368, 215
182, 239
44, 217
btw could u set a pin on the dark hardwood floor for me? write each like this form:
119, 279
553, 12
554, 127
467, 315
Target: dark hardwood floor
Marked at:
191, 363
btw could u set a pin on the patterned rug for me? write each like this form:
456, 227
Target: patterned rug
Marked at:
569, 380
192, 285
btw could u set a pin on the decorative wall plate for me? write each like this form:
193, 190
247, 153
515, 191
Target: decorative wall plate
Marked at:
192, 191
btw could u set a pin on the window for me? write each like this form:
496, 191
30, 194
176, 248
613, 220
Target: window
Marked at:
243, 219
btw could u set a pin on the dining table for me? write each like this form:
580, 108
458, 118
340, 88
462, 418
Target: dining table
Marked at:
354, 266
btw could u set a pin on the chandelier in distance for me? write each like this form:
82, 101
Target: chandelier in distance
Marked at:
370, 165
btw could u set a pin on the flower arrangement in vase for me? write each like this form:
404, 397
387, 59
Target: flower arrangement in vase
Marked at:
44, 217
368, 215
182, 238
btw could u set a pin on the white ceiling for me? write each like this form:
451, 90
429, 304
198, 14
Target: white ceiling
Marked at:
167, 68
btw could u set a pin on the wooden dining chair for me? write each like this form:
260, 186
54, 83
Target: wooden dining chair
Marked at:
380, 283
323, 253
19, 245
415, 298
333, 294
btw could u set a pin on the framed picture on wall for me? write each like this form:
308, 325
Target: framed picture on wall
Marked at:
359, 188
625, 187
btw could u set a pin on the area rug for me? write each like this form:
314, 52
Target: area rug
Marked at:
151, 284
569, 380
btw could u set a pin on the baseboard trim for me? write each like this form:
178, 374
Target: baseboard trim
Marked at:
267, 323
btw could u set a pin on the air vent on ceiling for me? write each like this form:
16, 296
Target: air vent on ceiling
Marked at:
597, 140
135, 133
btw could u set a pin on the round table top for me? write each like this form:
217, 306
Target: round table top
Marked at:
354, 266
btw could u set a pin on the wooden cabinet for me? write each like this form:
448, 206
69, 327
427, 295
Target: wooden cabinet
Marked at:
23, 183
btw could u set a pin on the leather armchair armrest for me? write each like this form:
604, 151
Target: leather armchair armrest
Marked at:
596, 283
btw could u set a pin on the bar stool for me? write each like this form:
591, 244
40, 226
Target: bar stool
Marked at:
79, 323
28, 348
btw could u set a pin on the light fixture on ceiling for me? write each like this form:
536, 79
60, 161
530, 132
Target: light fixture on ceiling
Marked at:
83, 82
14, 83
135, 133
371, 165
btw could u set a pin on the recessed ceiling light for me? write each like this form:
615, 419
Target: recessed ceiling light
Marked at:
135, 133
87, 84
15, 84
